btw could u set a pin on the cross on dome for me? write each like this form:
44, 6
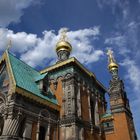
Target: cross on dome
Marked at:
63, 33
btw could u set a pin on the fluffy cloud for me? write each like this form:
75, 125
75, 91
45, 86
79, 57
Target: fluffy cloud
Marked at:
21, 41
133, 73
126, 42
35, 51
12, 10
118, 41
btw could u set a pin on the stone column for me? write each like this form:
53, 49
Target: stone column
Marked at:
38, 130
28, 130
62, 133
89, 106
81, 134
96, 113
76, 132
79, 101
47, 137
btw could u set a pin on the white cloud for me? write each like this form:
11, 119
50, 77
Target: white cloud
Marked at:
12, 10
44, 49
119, 42
82, 48
126, 41
35, 51
21, 41
133, 73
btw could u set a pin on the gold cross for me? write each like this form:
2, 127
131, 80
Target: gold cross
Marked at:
109, 52
110, 55
63, 34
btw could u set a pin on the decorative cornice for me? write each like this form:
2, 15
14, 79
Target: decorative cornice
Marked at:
36, 98
72, 60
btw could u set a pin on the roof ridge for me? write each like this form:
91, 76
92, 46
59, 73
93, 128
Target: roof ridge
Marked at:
23, 62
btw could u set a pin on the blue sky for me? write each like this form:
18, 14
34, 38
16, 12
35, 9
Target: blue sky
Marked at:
94, 25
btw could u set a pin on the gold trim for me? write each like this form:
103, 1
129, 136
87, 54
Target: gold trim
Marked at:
57, 65
73, 59
10, 68
36, 98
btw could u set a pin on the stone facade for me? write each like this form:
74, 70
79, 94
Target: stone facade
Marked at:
78, 119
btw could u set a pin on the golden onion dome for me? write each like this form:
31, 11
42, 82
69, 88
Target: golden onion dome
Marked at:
63, 45
112, 66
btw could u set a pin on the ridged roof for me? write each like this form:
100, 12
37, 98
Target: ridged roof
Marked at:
26, 77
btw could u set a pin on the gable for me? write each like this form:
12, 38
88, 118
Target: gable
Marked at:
18, 77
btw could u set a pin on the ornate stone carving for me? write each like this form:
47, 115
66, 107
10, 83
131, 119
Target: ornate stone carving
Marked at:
12, 125
69, 94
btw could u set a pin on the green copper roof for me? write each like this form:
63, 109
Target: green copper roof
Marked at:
26, 77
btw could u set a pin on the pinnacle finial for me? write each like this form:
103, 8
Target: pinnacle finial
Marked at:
112, 62
110, 55
9, 45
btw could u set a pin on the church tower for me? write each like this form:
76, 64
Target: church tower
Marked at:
79, 94
119, 104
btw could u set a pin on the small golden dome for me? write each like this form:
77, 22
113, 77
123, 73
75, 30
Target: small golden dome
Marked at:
112, 66
63, 45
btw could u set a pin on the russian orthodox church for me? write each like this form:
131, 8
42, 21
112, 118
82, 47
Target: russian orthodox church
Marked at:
62, 102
